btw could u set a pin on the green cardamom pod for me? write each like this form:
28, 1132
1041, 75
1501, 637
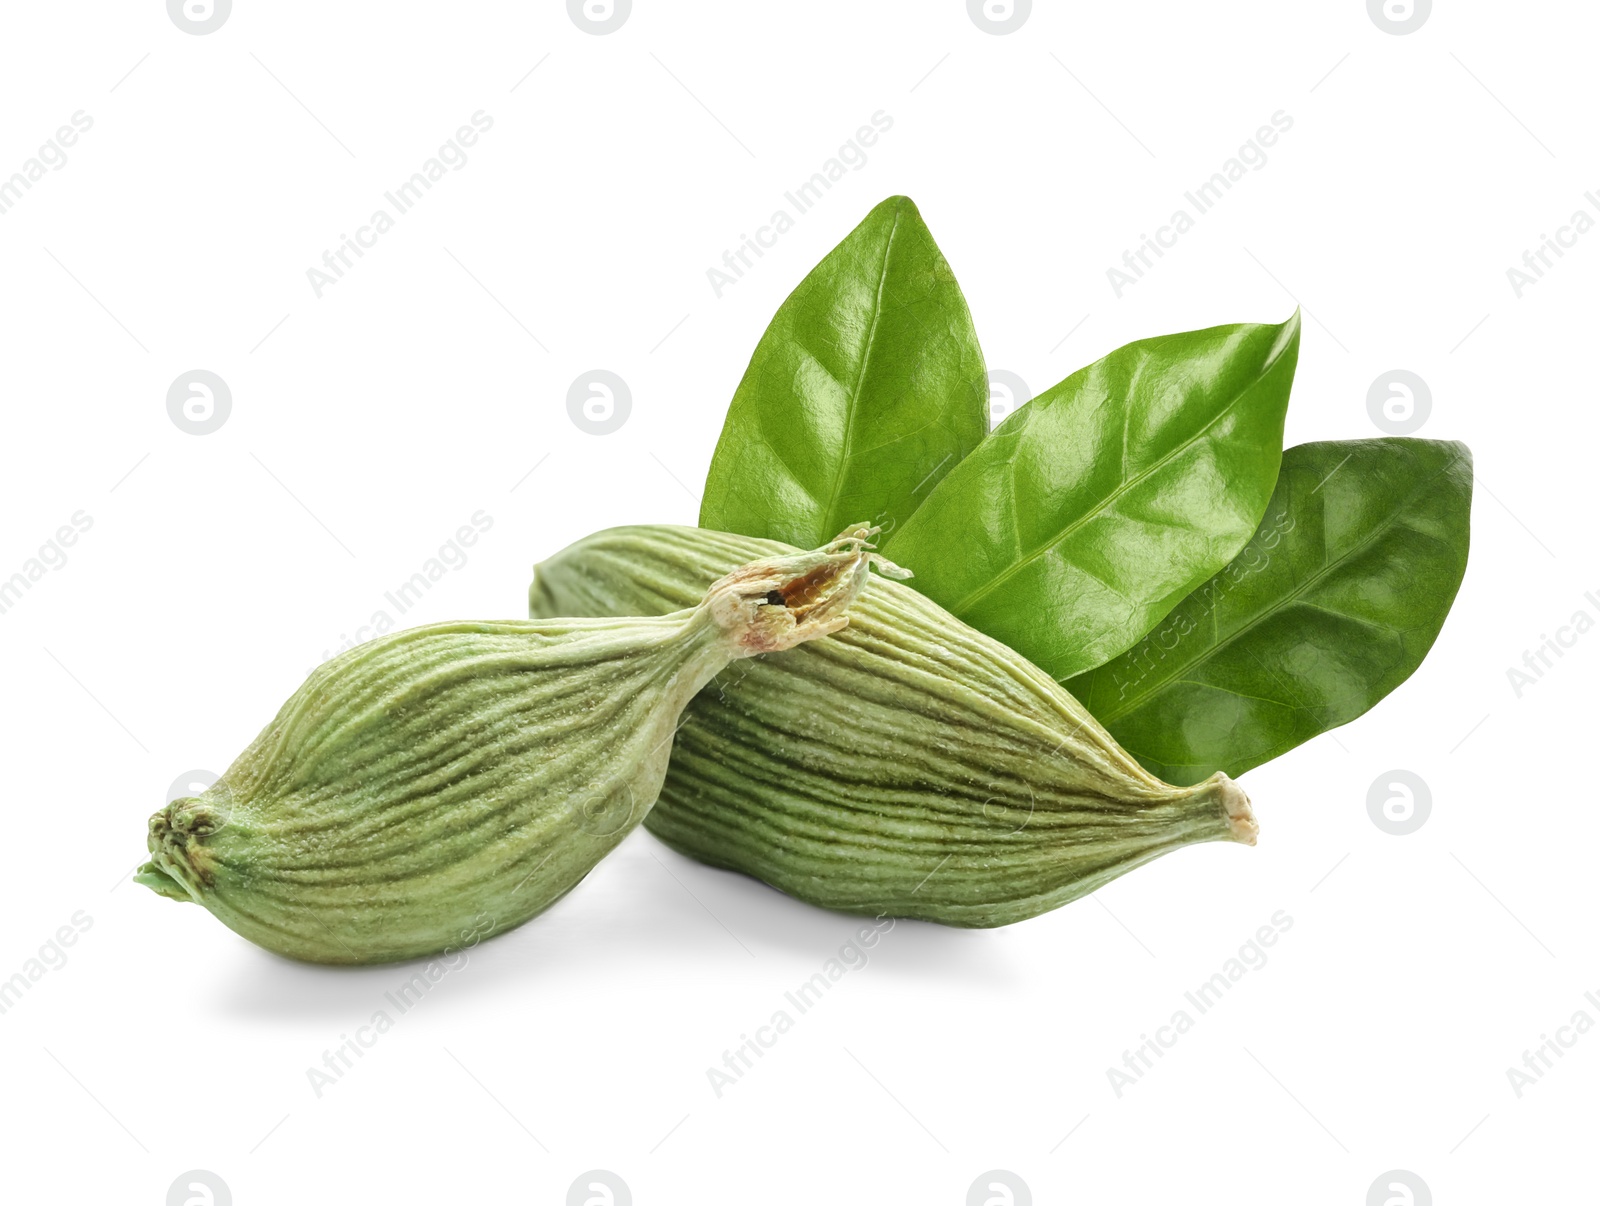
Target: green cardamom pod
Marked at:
448, 782
910, 767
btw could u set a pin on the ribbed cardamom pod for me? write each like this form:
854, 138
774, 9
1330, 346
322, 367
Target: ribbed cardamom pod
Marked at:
432, 778
910, 767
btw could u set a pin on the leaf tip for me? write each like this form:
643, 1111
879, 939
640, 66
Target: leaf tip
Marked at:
898, 206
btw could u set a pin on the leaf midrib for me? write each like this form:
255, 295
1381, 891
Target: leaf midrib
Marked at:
1097, 510
1392, 520
829, 519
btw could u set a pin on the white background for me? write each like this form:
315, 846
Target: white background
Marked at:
431, 383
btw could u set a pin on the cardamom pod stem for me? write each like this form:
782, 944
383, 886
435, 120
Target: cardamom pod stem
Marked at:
446, 783
911, 767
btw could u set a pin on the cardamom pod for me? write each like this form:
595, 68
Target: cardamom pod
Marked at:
910, 767
434, 777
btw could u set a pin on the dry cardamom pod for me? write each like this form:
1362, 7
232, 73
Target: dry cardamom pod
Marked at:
910, 767
435, 776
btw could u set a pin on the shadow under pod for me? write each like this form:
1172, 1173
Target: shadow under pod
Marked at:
644, 910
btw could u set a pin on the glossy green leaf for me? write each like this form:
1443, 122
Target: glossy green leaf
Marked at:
1331, 606
866, 389
1094, 509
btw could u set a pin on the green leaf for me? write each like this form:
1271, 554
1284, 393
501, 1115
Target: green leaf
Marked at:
1331, 606
866, 389
1091, 511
